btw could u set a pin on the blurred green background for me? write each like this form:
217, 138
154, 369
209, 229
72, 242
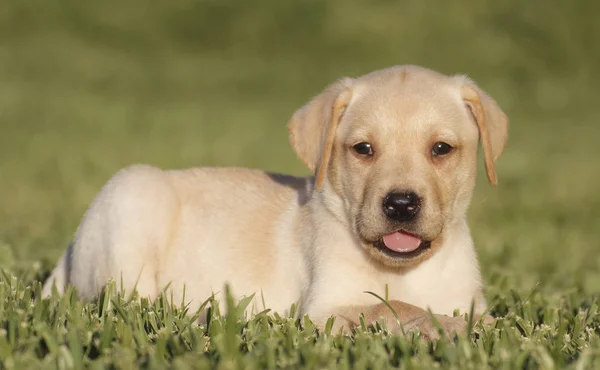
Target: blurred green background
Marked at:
88, 87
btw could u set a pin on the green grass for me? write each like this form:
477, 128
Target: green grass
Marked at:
89, 87
540, 332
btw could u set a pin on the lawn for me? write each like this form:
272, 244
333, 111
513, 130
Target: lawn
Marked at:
89, 87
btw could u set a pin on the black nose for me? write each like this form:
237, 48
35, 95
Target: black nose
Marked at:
401, 206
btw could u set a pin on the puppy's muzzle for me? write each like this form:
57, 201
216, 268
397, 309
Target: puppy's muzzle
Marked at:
401, 206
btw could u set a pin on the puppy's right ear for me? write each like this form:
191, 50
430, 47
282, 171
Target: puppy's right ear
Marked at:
312, 128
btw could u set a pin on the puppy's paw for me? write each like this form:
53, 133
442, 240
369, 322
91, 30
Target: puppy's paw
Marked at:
487, 319
430, 329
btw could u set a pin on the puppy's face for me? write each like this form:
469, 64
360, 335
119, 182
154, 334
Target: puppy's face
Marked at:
403, 162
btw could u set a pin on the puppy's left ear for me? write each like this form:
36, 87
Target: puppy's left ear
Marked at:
492, 124
312, 128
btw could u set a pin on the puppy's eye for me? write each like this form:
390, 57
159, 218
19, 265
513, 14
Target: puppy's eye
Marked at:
363, 149
440, 148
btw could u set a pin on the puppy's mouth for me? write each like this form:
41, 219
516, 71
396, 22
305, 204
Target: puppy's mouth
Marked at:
402, 244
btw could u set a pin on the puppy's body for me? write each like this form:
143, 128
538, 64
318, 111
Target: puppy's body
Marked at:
279, 237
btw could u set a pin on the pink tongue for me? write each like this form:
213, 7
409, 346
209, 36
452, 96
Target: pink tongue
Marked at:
401, 242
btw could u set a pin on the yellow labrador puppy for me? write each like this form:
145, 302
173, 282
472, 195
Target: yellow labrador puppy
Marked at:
394, 157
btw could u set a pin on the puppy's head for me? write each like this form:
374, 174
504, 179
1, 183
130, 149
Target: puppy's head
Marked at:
395, 152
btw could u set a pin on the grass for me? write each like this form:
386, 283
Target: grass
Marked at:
122, 332
90, 87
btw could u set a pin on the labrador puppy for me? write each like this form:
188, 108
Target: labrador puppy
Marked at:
394, 158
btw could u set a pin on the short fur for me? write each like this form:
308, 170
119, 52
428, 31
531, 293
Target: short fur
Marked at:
291, 242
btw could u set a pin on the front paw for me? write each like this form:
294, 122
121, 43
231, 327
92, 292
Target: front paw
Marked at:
487, 319
429, 328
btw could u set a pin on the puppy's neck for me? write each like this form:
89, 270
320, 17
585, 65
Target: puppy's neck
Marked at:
325, 200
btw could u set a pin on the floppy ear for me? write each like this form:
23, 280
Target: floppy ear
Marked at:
492, 124
312, 128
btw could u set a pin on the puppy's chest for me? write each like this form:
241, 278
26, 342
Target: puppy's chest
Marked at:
440, 288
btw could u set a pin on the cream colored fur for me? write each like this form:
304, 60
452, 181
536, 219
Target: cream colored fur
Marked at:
280, 238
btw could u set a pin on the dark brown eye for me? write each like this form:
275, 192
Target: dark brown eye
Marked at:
440, 148
363, 149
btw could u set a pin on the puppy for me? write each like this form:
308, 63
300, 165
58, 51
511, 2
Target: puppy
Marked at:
394, 158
